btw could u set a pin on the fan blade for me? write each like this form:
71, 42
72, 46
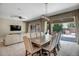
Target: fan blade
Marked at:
20, 17
14, 16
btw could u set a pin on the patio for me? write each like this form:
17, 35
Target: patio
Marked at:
68, 37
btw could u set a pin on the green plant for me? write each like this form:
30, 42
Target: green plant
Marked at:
57, 27
71, 25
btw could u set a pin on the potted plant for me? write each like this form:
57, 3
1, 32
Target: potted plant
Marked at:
57, 27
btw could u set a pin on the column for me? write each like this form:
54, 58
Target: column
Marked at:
45, 26
77, 25
49, 27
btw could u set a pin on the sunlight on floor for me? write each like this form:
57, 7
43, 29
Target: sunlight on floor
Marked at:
68, 49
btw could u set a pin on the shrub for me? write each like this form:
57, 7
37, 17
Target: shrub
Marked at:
57, 27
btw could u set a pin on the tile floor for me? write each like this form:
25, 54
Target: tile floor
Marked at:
68, 49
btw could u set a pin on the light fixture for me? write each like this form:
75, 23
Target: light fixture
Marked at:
18, 15
46, 11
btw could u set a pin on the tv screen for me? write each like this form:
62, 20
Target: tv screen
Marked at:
15, 28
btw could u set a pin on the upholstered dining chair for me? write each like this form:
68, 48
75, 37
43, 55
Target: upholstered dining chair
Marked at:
51, 48
58, 41
29, 47
38, 34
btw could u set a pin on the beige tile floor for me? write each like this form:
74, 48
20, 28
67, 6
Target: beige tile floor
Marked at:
66, 49
13, 50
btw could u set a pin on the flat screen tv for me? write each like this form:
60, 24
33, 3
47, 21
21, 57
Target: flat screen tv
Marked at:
15, 28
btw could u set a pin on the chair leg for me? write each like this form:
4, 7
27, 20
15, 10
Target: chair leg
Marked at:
32, 54
36, 53
49, 53
26, 53
41, 52
45, 53
54, 51
58, 48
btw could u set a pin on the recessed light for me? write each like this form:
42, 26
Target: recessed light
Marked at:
19, 9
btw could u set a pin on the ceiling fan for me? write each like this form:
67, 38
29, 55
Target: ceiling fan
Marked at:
19, 17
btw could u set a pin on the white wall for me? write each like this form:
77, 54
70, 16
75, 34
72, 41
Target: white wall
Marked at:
5, 26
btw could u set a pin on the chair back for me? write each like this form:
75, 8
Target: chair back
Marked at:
53, 41
38, 34
33, 35
28, 44
59, 37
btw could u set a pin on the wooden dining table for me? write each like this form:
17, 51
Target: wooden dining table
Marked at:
41, 41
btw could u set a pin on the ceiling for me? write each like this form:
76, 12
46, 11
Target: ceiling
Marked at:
32, 11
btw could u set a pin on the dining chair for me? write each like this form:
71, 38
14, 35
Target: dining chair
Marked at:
33, 35
38, 34
29, 47
51, 48
58, 41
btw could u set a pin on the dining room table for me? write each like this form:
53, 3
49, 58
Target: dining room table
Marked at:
40, 41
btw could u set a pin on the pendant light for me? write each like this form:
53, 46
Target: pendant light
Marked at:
46, 11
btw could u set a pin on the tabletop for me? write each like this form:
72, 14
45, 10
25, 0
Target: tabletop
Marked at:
41, 40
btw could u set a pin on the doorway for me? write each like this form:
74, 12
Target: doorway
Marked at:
69, 28
69, 31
